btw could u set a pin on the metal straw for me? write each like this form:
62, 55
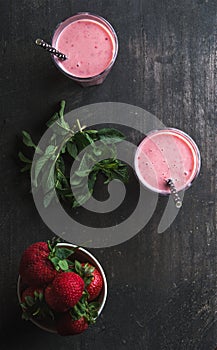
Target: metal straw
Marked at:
177, 199
50, 49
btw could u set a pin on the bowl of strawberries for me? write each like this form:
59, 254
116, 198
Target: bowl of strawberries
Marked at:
61, 288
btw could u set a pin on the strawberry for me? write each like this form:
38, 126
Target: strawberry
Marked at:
65, 291
33, 304
41, 262
35, 268
79, 317
67, 326
93, 279
31, 293
30, 300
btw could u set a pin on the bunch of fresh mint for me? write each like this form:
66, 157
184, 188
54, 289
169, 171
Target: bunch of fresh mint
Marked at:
49, 169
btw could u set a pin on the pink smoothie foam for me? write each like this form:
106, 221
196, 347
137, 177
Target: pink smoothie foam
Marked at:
167, 154
89, 47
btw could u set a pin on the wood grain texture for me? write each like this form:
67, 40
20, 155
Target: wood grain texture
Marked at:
162, 288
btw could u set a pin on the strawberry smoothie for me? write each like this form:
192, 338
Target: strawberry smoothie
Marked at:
167, 154
91, 46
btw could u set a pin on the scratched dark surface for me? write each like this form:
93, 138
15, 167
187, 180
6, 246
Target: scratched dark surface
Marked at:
162, 287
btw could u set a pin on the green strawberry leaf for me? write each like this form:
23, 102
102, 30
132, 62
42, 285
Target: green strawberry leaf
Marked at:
25, 316
36, 294
55, 261
29, 300
94, 305
49, 245
88, 270
78, 312
40, 296
23, 305
36, 307
73, 315
88, 280
63, 265
36, 312
52, 245
78, 268
63, 253
51, 314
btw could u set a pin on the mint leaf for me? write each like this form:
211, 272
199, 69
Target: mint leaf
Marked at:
48, 197
81, 199
110, 135
48, 178
75, 180
91, 132
25, 168
72, 149
81, 140
23, 158
82, 173
97, 151
62, 108
60, 165
92, 180
39, 164
53, 119
27, 140
58, 118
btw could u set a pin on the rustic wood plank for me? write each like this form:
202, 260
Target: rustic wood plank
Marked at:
162, 288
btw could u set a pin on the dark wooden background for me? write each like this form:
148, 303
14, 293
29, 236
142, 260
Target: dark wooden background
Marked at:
162, 287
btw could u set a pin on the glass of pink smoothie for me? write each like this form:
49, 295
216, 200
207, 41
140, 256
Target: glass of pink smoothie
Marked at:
167, 154
91, 46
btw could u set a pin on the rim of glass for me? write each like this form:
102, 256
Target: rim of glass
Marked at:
108, 26
194, 148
